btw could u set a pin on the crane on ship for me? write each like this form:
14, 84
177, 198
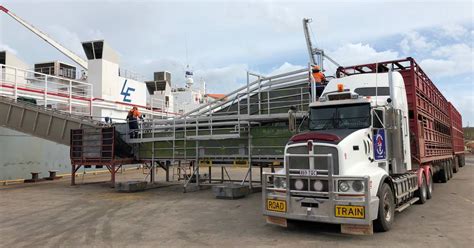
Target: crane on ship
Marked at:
74, 57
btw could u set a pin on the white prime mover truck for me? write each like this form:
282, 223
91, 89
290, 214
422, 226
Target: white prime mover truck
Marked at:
378, 136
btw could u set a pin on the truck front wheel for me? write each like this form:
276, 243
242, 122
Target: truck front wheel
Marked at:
386, 212
429, 193
422, 192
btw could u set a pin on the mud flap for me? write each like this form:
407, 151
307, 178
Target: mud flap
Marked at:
277, 221
357, 229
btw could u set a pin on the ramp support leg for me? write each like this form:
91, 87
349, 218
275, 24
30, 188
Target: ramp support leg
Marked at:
74, 169
113, 176
73, 175
168, 171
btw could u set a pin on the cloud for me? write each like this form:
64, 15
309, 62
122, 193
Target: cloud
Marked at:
285, 67
414, 42
454, 31
450, 60
5, 47
218, 79
358, 53
94, 34
223, 79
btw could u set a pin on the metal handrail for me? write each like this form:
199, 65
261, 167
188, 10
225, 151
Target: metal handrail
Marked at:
249, 88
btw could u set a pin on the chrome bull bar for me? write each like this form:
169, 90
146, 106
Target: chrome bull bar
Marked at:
330, 198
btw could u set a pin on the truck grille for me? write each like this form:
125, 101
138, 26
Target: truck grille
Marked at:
319, 163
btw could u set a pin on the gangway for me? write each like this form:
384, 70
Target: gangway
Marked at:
49, 124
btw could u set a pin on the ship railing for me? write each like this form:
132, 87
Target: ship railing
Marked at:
53, 92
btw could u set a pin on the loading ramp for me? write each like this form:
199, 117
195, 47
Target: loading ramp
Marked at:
49, 124
246, 128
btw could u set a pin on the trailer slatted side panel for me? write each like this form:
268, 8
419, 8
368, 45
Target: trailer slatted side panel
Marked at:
429, 111
430, 120
456, 130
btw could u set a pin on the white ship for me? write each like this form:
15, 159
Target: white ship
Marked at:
100, 89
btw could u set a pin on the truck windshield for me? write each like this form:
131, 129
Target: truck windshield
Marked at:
340, 117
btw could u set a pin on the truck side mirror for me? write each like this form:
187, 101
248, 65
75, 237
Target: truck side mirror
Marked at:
378, 118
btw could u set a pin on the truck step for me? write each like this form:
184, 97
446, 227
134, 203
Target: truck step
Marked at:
406, 205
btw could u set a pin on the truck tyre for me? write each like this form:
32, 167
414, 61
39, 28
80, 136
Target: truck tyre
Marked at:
456, 164
422, 191
429, 192
450, 170
443, 173
386, 212
462, 161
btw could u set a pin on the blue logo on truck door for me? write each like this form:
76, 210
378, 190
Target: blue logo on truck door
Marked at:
126, 93
380, 153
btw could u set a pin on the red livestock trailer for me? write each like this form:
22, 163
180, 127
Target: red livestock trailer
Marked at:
435, 124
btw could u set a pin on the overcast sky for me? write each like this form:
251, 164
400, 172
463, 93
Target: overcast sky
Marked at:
224, 39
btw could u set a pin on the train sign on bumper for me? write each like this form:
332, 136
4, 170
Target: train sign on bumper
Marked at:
344, 211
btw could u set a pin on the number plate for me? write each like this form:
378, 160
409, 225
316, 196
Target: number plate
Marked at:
356, 212
308, 173
276, 205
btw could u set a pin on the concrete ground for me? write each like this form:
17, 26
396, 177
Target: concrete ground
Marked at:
54, 214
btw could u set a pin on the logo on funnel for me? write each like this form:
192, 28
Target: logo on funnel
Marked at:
126, 93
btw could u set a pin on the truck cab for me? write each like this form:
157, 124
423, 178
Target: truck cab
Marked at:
348, 166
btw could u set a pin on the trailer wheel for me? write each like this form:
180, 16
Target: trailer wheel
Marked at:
456, 164
429, 192
443, 173
386, 210
450, 170
422, 191
462, 161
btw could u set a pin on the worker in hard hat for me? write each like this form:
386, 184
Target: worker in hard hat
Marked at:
319, 80
318, 75
132, 119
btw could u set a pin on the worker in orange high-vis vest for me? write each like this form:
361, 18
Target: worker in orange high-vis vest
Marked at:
318, 75
132, 118
319, 80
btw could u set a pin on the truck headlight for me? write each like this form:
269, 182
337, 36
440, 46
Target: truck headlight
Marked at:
344, 186
351, 186
279, 182
358, 186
